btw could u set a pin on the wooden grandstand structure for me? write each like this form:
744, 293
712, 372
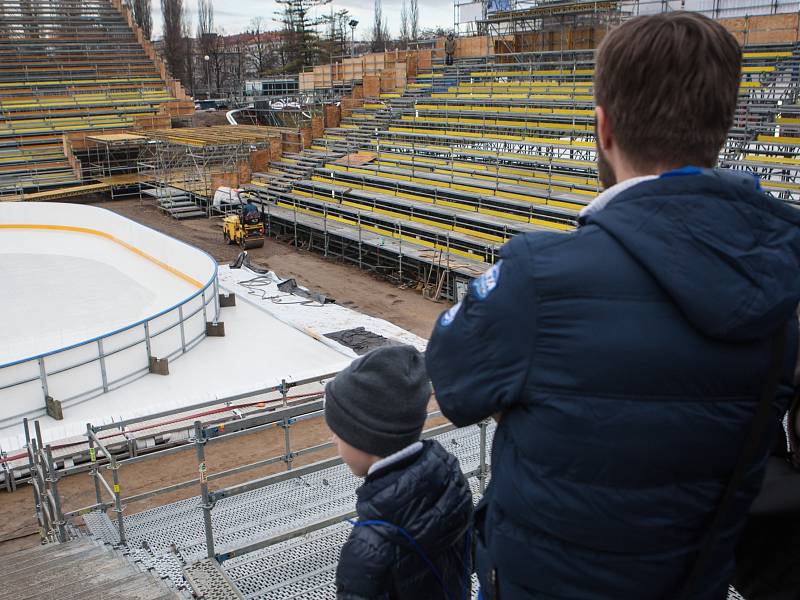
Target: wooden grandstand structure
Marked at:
421, 181
69, 68
421, 184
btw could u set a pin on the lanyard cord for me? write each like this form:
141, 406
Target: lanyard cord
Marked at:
418, 549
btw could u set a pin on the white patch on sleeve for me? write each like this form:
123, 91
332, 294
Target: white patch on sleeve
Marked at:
450, 315
483, 285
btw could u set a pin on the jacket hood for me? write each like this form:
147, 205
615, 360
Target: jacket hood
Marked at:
428, 497
726, 253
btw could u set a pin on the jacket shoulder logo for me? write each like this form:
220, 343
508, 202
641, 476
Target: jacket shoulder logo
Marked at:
450, 315
483, 285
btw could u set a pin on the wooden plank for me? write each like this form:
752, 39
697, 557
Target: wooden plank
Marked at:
355, 159
68, 192
219, 135
116, 137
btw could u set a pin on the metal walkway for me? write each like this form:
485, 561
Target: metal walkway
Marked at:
169, 538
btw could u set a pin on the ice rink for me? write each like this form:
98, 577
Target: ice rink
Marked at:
90, 298
66, 287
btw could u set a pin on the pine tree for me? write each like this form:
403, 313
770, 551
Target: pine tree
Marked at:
301, 42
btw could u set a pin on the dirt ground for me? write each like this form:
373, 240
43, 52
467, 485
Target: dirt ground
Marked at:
345, 283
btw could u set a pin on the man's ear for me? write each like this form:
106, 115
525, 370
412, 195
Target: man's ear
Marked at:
604, 138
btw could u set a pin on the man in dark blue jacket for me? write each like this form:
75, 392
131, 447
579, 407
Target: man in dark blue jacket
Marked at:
624, 360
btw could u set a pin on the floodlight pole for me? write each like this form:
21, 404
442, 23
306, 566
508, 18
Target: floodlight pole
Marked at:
207, 58
353, 23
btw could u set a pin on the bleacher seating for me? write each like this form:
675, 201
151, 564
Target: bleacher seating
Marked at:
464, 159
66, 67
474, 153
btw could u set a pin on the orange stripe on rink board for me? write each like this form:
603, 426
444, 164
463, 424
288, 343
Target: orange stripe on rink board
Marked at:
108, 236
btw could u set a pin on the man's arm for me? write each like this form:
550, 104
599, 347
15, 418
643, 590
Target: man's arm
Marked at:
479, 353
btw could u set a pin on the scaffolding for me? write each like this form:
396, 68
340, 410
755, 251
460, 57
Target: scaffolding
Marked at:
297, 497
197, 161
565, 25
112, 159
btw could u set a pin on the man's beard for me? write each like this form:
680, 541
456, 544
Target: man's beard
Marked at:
604, 171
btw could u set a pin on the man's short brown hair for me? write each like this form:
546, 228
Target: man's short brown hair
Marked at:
668, 84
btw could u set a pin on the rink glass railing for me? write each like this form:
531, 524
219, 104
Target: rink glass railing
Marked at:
87, 369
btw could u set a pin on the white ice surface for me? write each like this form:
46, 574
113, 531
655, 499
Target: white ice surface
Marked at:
258, 351
269, 336
61, 288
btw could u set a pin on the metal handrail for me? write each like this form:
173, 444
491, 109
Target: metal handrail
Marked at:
52, 518
100, 452
328, 521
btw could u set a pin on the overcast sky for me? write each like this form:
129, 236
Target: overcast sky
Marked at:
235, 16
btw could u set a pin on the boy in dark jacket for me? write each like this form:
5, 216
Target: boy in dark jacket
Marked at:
415, 505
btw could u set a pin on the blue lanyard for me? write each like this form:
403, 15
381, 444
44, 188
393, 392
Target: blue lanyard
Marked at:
418, 549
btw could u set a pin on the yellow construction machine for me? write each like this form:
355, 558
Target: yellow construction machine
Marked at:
245, 229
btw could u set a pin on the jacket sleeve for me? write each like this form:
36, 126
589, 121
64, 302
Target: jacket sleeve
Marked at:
479, 354
364, 568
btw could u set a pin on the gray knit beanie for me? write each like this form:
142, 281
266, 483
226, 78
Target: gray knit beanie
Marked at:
378, 404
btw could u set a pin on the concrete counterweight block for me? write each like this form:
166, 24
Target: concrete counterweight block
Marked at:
215, 329
226, 300
159, 366
53, 408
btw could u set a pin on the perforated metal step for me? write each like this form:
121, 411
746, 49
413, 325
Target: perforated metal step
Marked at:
299, 568
209, 582
169, 537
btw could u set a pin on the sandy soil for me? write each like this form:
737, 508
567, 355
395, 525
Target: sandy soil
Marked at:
345, 283
350, 287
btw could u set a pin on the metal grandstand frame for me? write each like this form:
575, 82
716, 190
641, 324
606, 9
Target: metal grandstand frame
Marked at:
113, 160
111, 447
198, 165
537, 16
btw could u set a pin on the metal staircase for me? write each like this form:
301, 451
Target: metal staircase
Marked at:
170, 539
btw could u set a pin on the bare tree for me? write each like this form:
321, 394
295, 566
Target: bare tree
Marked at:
343, 18
205, 18
430, 33
189, 57
208, 43
259, 49
278, 49
174, 48
143, 15
336, 42
404, 25
413, 18
216, 50
380, 29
